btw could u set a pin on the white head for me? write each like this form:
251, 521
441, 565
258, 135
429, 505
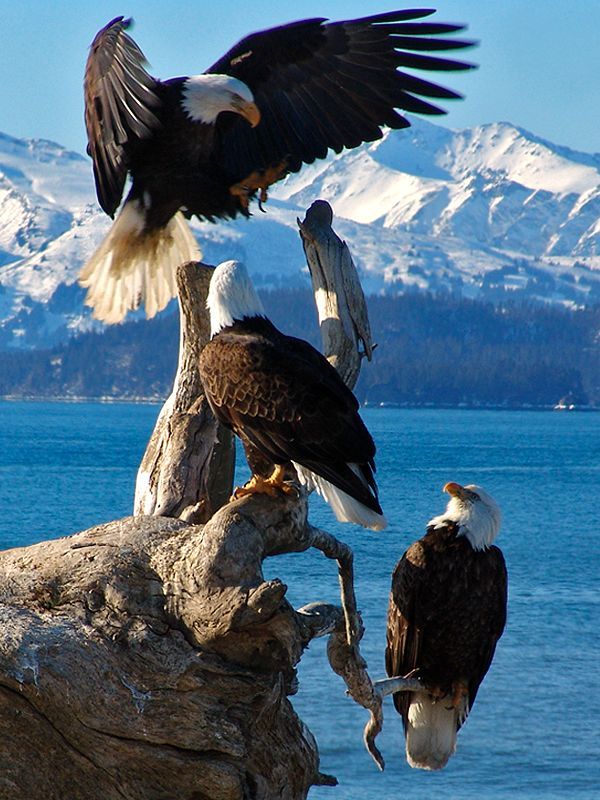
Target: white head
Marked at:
206, 96
231, 296
475, 511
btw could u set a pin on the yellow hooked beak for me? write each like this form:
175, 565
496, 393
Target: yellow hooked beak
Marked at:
247, 109
455, 490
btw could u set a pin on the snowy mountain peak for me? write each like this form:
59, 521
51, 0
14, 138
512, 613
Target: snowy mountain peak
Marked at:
486, 211
501, 148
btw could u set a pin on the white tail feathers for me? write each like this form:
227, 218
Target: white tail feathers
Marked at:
345, 508
431, 728
132, 266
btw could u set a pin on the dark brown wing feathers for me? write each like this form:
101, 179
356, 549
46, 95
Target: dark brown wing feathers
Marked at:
447, 611
326, 85
120, 105
286, 399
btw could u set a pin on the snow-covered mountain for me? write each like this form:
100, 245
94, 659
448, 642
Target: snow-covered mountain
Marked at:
483, 211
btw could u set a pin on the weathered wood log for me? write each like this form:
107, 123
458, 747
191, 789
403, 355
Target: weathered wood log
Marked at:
101, 673
149, 658
187, 469
341, 305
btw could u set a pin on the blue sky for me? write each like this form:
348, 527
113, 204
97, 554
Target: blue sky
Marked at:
539, 59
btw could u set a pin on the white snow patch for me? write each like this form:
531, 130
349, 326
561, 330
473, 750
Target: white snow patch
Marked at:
481, 211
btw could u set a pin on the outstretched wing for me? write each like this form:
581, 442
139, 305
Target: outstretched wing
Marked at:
120, 104
290, 404
325, 85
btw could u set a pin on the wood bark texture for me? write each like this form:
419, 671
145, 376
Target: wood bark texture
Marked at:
149, 659
341, 305
118, 680
187, 469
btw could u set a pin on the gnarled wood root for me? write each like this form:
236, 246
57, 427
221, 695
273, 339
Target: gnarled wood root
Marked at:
148, 658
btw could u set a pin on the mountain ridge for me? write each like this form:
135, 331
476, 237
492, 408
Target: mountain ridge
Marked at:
491, 211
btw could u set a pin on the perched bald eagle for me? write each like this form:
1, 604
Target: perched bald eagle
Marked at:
446, 613
287, 404
205, 145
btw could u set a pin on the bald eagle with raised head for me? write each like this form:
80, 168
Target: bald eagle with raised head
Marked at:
287, 404
205, 145
447, 611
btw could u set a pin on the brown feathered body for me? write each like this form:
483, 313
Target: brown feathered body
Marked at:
447, 611
289, 406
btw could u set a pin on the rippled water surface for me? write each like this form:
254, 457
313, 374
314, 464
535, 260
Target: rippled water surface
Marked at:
535, 728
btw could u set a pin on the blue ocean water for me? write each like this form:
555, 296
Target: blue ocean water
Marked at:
535, 728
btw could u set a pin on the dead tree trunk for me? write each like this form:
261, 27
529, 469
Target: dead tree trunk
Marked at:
148, 658
187, 469
341, 305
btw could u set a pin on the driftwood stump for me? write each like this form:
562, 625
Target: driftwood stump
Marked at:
110, 687
148, 659
187, 469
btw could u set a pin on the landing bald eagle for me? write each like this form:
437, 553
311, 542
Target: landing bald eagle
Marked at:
286, 402
205, 145
446, 613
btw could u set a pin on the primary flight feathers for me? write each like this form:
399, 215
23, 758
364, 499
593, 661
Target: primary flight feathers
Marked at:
206, 145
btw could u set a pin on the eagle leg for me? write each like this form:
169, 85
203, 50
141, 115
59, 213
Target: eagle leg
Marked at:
436, 692
273, 485
260, 179
460, 691
243, 194
277, 480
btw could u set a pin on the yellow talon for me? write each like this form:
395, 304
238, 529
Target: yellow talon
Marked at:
272, 485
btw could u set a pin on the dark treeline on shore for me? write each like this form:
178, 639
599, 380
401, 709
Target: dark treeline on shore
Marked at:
432, 349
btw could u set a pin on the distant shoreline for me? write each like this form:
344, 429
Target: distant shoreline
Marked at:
383, 405
149, 401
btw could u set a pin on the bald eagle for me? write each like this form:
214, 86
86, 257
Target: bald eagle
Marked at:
287, 404
205, 145
447, 611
